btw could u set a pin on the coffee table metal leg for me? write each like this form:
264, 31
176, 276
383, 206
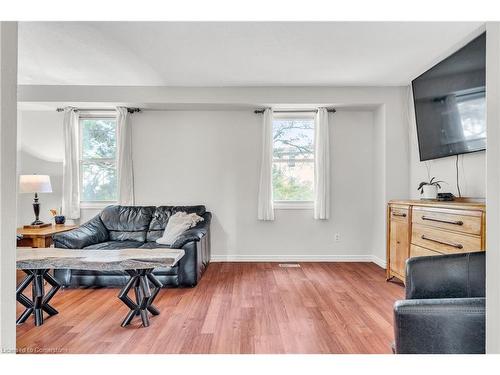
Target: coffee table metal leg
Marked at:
55, 287
123, 296
152, 309
39, 301
25, 301
25, 315
38, 292
144, 296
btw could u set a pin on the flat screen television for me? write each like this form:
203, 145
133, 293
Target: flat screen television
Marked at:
450, 103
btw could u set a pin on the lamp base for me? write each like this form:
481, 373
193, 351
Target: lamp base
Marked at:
37, 226
37, 223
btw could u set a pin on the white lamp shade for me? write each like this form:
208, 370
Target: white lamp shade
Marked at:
34, 183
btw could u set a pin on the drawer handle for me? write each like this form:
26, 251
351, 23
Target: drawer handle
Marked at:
458, 222
456, 245
398, 214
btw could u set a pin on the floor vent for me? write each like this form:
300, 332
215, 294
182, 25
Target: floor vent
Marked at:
289, 265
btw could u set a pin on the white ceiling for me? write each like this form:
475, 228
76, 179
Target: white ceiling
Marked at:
233, 54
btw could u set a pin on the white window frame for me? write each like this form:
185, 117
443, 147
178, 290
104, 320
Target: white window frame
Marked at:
293, 205
94, 116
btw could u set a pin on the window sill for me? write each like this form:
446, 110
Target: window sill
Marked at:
281, 205
95, 205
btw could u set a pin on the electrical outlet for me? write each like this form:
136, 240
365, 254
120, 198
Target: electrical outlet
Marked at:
337, 237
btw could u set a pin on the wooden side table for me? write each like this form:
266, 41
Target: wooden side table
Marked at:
40, 237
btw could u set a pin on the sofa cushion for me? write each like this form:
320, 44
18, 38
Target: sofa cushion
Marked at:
126, 223
161, 270
153, 245
162, 214
115, 245
178, 223
198, 210
158, 222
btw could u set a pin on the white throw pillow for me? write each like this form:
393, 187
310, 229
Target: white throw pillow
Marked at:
178, 224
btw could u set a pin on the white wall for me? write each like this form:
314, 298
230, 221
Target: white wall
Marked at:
8, 85
212, 157
472, 174
41, 151
493, 188
379, 199
238, 235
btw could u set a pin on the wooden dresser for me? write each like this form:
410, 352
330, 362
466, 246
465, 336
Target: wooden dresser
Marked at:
424, 227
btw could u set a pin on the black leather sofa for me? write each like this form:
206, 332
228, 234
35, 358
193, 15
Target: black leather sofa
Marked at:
444, 310
120, 227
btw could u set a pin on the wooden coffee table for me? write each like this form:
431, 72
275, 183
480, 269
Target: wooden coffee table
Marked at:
138, 263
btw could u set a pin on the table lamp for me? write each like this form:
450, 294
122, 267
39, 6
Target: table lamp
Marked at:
34, 183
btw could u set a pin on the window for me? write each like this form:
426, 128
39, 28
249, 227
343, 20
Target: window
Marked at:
98, 177
293, 161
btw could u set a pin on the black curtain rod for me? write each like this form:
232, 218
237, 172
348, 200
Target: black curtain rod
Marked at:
330, 110
129, 110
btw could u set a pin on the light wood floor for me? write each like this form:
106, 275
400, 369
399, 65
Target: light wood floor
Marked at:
236, 308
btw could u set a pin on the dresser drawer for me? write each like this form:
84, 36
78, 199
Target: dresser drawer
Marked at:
465, 222
444, 241
417, 251
400, 214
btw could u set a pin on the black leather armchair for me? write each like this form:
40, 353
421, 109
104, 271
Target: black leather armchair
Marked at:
121, 227
444, 310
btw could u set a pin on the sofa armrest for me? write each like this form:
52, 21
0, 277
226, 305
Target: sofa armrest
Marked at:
452, 325
90, 233
446, 276
196, 245
194, 234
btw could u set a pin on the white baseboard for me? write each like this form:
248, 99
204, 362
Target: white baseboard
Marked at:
379, 262
297, 258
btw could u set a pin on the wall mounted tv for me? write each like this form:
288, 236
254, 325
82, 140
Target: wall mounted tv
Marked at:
450, 103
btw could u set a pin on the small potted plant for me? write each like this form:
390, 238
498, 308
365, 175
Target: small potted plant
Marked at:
429, 189
58, 219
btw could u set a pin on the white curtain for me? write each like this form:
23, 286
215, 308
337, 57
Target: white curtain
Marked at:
321, 166
71, 167
265, 202
125, 168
